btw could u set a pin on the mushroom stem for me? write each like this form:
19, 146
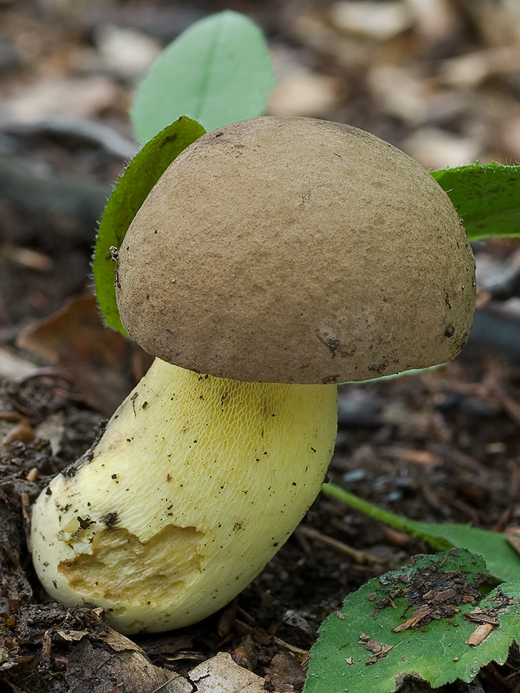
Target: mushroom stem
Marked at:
193, 487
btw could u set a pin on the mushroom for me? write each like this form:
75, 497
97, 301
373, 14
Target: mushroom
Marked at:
275, 258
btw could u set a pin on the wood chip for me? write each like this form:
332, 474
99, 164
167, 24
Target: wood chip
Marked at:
419, 615
422, 457
479, 634
23, 431
378, 649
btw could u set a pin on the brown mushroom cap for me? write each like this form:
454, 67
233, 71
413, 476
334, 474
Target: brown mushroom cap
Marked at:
297, 250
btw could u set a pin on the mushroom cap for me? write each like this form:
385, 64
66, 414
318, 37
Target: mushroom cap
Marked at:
296, 250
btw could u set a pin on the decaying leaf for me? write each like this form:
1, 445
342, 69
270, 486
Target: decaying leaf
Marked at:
96, 358
221, 675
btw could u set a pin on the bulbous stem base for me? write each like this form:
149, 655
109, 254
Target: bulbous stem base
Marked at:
193, 487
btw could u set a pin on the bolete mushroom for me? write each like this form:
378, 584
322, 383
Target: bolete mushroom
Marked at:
275, 258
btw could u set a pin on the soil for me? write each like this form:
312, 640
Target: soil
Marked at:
438, 448
442, 446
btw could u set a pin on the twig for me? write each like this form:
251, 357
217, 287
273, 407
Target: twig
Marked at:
89, 130
359, 557
291, 648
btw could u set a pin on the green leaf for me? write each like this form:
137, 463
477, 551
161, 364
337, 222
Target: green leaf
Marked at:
359, 649
487, 198
218, 71
502, 560
130, 192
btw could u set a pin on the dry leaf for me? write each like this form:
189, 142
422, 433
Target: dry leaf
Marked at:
74, 97
52, 429
220, 674
97, 358
303, 93
379, 21
479, 634
126, 52
13, 366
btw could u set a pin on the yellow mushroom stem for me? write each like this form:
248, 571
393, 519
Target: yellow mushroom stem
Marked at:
193, 487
